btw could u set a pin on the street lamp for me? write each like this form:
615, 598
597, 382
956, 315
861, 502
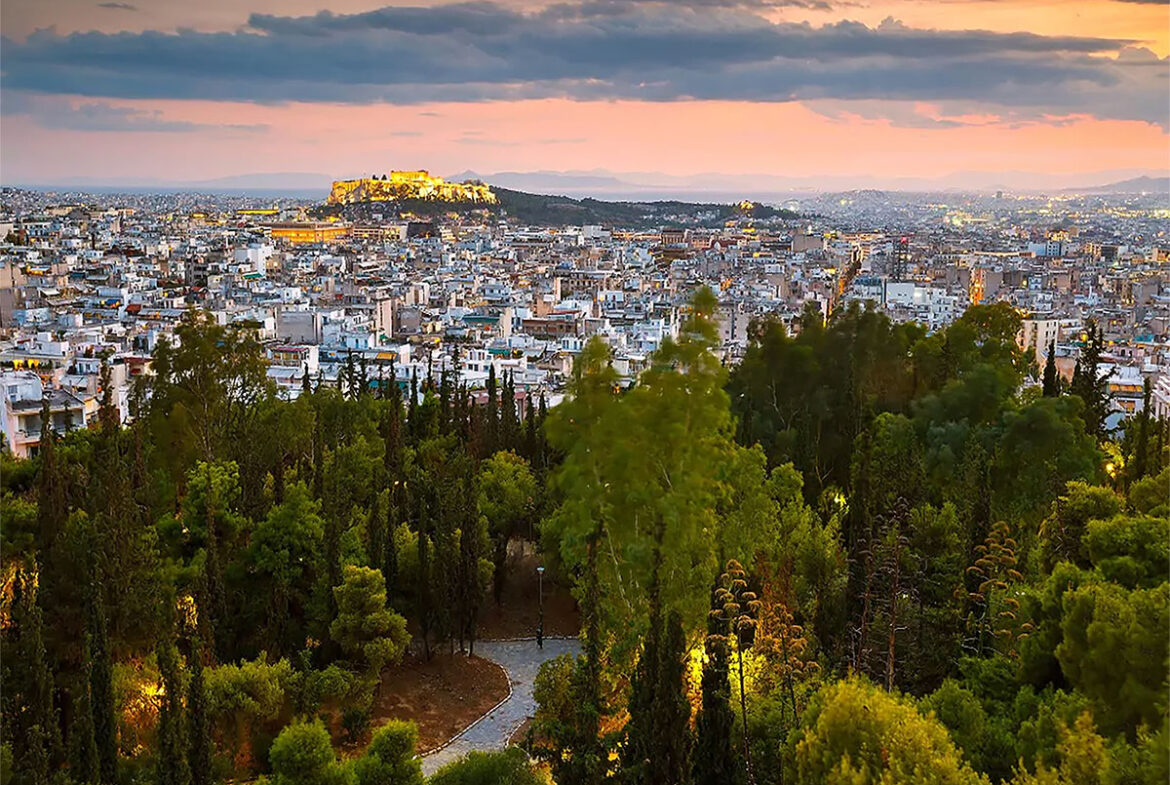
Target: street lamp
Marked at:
540, 623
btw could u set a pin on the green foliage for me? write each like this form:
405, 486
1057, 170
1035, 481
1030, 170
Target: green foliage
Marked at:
368, 632
1114, 650
1062, 531
303, 755
488, 768
1149, 495
390, 757
1131, 551
857, 733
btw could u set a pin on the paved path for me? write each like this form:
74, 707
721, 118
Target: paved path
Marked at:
520, 660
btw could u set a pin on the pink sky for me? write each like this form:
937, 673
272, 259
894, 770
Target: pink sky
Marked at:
42, 138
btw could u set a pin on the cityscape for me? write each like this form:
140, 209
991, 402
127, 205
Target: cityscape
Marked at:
711, 392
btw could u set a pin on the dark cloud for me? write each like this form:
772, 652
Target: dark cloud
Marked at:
1146, 2
118, 6
596, 50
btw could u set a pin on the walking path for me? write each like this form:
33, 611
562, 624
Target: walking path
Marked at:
520, 660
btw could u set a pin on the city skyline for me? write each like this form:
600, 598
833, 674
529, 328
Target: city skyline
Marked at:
121, 92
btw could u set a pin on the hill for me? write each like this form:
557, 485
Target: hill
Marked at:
551, 210
1134, 185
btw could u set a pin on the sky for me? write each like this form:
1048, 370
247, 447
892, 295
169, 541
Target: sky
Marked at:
174, 90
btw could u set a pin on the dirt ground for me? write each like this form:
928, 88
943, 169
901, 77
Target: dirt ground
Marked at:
519, 611
443, 696
446, 694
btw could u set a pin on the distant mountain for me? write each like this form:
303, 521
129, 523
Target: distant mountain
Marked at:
1134, 185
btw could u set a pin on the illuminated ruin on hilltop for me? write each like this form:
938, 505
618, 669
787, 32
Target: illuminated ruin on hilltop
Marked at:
398, 186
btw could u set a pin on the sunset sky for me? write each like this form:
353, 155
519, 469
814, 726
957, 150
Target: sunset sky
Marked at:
181, 90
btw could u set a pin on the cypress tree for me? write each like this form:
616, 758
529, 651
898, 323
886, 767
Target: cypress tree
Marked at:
83, 752
713, 761
1141, 449
509, 422
172, 761
1051, 380
492, 415
105, 729
1088, 382
200, 748
390, 557
529, 430
33, 684
376, 533
670, 723
637, 753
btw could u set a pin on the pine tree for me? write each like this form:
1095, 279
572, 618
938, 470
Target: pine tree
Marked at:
1051, 379
200, 747
172, 761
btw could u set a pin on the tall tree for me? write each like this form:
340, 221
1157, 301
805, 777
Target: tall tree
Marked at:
172, 768
1089, 384
101, 686
1051, 379
36, 723
200, 746
713, 760
737, 607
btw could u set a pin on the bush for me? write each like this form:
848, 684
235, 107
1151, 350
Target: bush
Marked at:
390, 758
489, 768
858, 733
303, 755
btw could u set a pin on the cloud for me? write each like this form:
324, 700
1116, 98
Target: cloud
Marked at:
118, 6
598, 50
58, 114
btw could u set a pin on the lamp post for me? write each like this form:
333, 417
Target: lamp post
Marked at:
540, 623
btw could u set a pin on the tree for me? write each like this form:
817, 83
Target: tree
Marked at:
390, 759
172, 768
860, 734
303, 755
565, 729
101, 694
1089, 384
735, 611
36, 724
285, 557
368, 632
200, 746
1062, 531
1114, 650
713, 761
506, 491
1051, 387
